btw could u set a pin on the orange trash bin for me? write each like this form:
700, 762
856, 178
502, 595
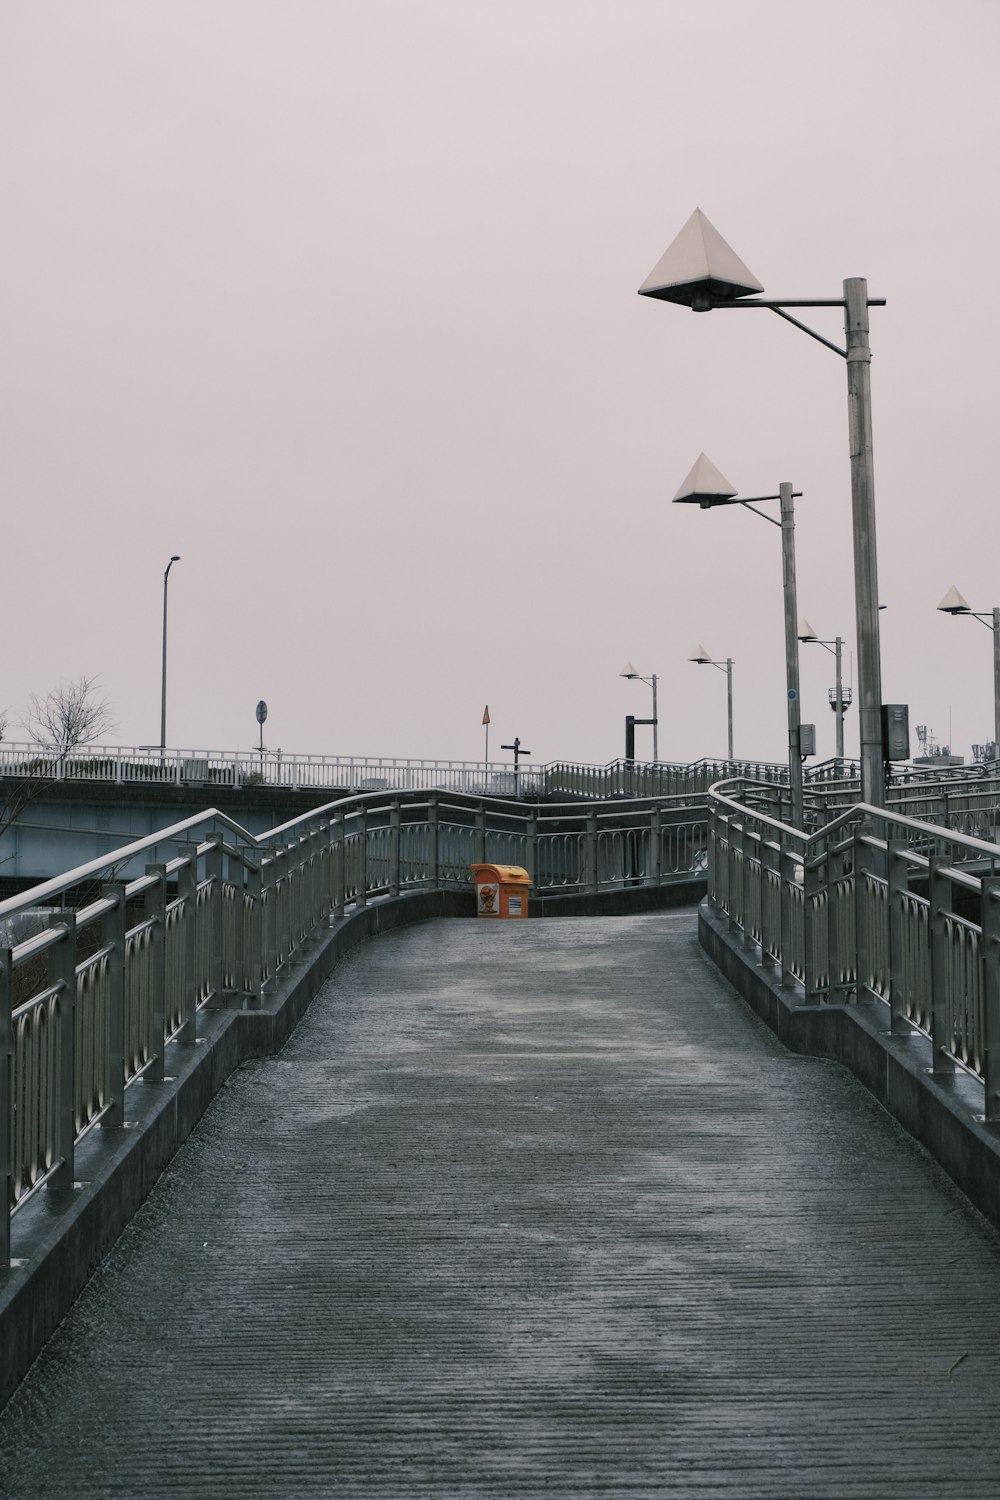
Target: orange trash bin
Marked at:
501, 890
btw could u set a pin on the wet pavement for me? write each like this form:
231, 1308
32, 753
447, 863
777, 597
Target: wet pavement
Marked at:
531, 1209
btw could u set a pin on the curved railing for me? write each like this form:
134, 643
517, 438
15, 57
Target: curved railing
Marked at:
90, 1002
873, 904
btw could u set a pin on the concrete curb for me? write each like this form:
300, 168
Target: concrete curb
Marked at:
944, 1113
59, 1236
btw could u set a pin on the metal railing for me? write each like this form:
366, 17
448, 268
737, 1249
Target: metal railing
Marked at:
89, 1004
143, 765
873, 904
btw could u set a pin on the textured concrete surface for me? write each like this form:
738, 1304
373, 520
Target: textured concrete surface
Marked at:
531, 1209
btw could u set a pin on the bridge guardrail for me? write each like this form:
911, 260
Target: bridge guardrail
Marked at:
89, 1004
142, 765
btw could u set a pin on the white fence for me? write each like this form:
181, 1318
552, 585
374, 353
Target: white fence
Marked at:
139, 765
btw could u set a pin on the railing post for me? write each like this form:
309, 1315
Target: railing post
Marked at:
531, 844
862, 943
6, 1104
271, 876
337, 872
938, 892
216, 916
897, 889
155, 912
113, 938
435, 842
811, 886
654, 874
736, 861
395, 818
312, 869
187, 890
836, 870
770, 862
65, 1084
990, 959
251, 955
591, 847
361, 894
480, 834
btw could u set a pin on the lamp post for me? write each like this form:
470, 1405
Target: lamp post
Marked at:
701, 271
954, 604
706, 487
703, 659
839, 703
163, 679
630, 672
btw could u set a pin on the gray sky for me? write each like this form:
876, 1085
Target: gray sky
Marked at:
338, 301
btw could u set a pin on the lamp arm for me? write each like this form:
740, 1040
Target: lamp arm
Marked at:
762, 513
779, 308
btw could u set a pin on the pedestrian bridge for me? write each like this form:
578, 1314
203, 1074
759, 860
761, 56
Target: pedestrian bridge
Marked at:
519, 1208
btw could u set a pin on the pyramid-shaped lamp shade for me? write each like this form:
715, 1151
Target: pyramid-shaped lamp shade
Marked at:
705, 486
805, 631
953, 603
698, 267
701, 656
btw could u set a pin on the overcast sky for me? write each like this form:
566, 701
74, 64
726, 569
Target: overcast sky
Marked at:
337, 300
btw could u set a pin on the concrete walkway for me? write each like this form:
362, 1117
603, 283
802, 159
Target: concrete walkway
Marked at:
531, 1209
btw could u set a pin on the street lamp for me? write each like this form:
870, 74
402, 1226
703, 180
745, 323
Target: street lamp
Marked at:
630, 672
701, 271
704, 659
840, 701
954, 604
163, 680
706, 487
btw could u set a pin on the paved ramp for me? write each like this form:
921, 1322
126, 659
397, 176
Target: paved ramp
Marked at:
531, 1209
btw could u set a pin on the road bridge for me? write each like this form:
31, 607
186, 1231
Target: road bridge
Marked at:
531, 1209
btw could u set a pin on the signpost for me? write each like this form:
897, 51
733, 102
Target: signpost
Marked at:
261, 716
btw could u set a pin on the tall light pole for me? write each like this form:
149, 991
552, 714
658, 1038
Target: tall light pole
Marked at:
706, 487
839, 702
954, 604
703, 659
163, 679
630, 672
701, 271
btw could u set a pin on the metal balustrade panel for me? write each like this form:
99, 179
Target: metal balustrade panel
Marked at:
561, 861
876, 906
92, 1019
139, 1041
36, 1036
237, 913
414, 858
964, 996
178, 929
913, 973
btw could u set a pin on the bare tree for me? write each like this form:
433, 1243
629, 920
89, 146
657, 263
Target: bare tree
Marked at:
59, 721
68, 716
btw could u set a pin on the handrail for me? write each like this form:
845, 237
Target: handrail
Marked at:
90, 1004
886, 913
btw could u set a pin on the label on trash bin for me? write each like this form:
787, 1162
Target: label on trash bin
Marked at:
489, 900
513, 906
